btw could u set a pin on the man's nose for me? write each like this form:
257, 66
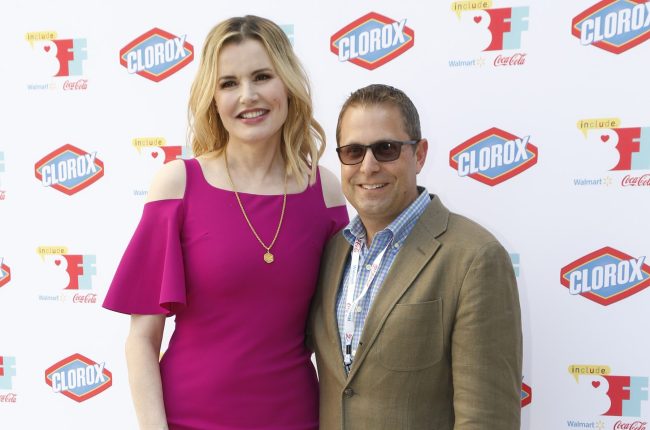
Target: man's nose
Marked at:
369, 163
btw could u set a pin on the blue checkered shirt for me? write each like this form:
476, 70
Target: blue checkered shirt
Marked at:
394, 234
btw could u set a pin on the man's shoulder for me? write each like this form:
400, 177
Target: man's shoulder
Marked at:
337, 243
466, 230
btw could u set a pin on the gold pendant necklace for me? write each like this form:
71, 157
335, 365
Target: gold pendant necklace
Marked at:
268, 257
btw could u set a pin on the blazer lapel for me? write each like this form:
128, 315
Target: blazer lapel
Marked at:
418, 248
336, 257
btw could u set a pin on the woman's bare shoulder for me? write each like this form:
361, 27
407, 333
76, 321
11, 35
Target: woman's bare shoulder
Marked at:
332, 194
169, 182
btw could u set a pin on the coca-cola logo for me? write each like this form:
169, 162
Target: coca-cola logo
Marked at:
81, 84
636, 181
636, 425
518, 59
84, 298
8, 398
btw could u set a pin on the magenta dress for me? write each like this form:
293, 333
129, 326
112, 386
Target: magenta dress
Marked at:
237, 358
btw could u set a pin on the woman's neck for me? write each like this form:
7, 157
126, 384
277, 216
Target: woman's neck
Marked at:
255, 167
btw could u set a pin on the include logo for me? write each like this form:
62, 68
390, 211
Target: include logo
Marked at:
613, 25
5, 273
606, 276
611, 395
623, 150
493, 156
372, 41
482, 28
154, 152
156, 55
69, 169
157, 148
526, 395
78, 378
58, 58
72, 273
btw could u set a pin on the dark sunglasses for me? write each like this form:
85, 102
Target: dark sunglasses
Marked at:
383, 150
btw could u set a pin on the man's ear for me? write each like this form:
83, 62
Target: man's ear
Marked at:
421, 150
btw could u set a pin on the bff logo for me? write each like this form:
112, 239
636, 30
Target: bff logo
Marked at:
69, 169
482, 28
78, 378
631, 143
526, 395
606, 276
7, 372
5, 273
501, 28
56, 57
610, 395
493, 156
68, 54
157, 149
613, 25
156, 54
372, 41
71, 272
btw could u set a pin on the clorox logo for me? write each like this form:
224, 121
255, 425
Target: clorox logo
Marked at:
372, 41
526, 395
493, 156
78, 377
606, 276
613, 25
5, 273
156, 55
69, 169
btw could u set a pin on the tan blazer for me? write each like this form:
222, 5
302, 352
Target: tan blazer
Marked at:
441, 347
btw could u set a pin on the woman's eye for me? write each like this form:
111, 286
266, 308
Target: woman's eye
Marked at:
262, 77
227, 84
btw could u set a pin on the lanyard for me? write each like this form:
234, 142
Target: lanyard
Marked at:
350, 302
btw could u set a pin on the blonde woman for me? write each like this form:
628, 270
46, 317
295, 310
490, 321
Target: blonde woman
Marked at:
230, 242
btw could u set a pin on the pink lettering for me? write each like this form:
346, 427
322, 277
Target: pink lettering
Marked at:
517, 59
8, 398
636, 181
81, 84
84, 298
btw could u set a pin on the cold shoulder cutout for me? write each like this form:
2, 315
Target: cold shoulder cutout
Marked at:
169, 182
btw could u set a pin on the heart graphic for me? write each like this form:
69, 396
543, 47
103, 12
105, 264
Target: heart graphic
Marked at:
154, 154
478, 19
57, 262
595, 384
47, 48
604, 137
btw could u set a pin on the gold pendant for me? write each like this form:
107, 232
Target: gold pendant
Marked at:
268, 257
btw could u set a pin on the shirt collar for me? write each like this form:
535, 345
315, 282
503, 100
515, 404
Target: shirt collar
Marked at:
399, 228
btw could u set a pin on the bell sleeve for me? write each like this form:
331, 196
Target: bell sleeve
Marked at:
150, 278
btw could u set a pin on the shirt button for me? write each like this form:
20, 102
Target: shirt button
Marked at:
348, 392
368, 266
358, 309
396, 246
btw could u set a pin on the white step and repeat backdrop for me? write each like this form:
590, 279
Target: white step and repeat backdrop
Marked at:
538, 117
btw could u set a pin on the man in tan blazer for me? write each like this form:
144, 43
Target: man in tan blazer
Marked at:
416, 320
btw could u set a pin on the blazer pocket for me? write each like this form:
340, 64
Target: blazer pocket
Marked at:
412, 337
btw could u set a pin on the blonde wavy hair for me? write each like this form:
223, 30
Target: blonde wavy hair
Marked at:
303, 138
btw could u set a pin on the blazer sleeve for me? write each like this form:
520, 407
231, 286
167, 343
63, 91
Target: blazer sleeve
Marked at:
487, 345
150, 278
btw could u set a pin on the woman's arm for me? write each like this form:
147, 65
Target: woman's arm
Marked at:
142, 358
